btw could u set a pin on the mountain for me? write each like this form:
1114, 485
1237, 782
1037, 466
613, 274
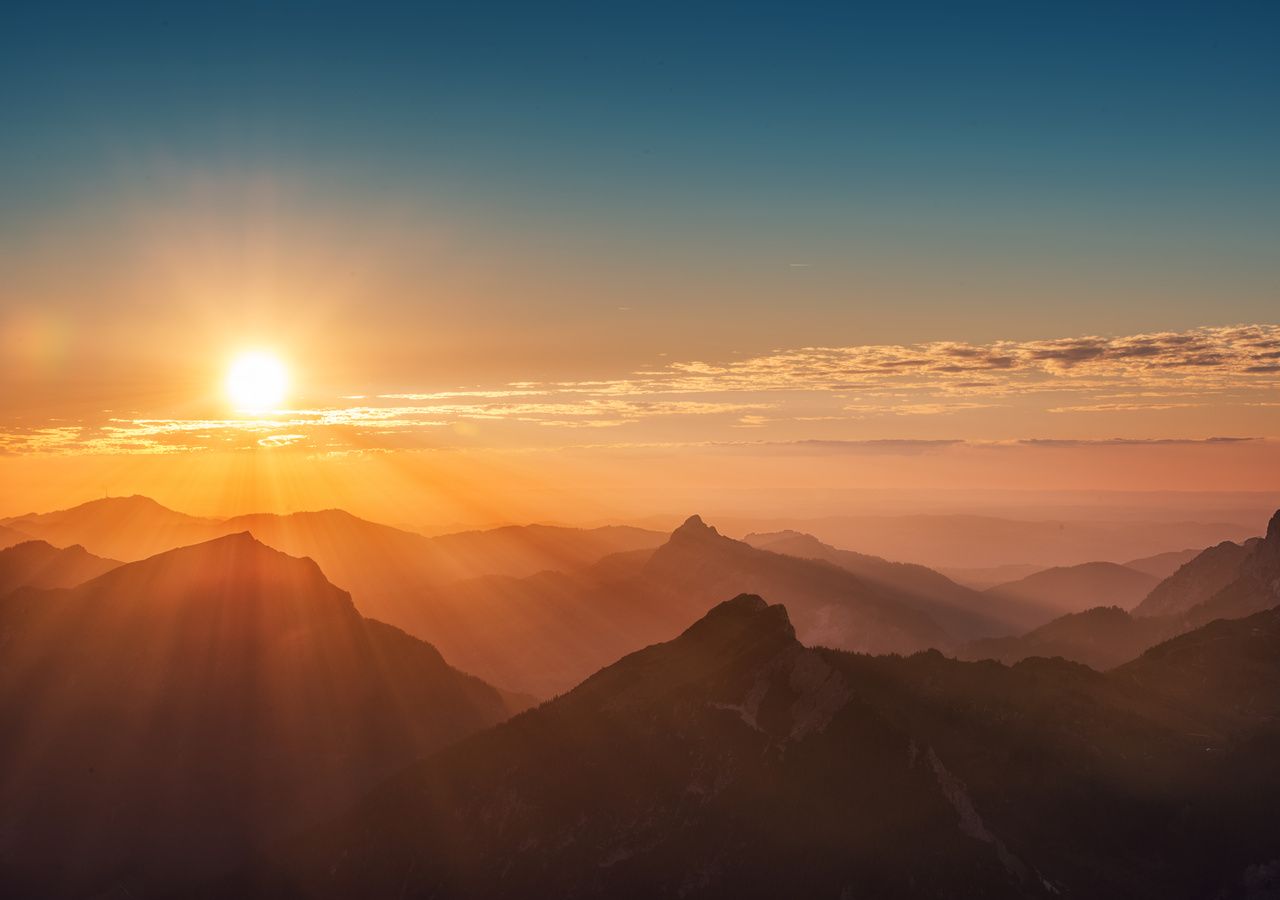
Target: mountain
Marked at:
545, 633
127, 528
384, 568
981, 578
164, 718
1162, 565
1256, 586
733, 761
40, 565
11, 536
1226, 671
951, 605
1197, 580
1101, 638
1229, 581
949, 541
1070, 589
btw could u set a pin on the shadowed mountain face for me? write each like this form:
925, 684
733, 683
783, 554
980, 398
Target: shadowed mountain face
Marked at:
1197, 580
1101, 638
37, 564
734, 762
1162, 565
1255, 587
1072, 589
545, 633
163, 718
960, 609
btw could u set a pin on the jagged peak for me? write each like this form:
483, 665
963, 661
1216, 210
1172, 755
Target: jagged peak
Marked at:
1273, 528
694, 527
748, 609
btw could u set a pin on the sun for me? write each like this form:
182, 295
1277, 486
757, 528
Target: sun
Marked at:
256, 382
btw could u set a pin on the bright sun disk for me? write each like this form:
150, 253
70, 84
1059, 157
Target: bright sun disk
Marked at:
256, 382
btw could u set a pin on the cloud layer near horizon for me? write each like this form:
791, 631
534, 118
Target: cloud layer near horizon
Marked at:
1022, 389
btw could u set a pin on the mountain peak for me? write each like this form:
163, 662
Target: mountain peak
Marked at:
747, 611
1273, 528
694, 527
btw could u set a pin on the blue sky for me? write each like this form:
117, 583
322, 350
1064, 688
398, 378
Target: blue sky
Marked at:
412, 198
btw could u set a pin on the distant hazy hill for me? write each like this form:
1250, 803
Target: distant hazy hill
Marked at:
1162, 565
970, 541
734, 762
37, 564
1101, 638
10, 536
1229, 581
164, 718
383, 567
545, 633
1072, 589
127, 528
951, 605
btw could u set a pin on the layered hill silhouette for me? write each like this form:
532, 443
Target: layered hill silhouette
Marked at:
10, 536
545, 633
735, 762
1162, 565
1228, 581
125, 528
1101, 638
934, 590
1072, 589
41, 565
954, 541
1197, 580
381, 566
164, 718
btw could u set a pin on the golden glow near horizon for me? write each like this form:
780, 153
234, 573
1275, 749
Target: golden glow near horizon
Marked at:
257, 382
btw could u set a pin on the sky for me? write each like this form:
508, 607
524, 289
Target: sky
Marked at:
560, 260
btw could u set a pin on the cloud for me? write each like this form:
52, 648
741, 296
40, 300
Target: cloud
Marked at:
817, 389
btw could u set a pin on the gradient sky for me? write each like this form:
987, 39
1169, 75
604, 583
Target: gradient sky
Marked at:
485, 229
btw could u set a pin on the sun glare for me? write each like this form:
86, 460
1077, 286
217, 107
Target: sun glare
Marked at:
256, 382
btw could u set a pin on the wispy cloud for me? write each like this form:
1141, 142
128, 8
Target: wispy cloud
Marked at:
794, 390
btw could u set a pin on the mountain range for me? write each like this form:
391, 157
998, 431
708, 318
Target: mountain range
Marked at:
41, 565
163, 718
1227, 581
733, 761
221, 719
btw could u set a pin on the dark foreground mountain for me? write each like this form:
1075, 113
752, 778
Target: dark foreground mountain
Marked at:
41, 565
546, 633
166, 717
1073, 589
735, 762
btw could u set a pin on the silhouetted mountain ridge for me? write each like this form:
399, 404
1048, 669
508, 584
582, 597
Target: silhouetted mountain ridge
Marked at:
41, 565
168, 715
733, 761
